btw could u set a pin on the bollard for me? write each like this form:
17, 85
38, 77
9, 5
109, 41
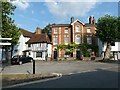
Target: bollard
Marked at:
33, 66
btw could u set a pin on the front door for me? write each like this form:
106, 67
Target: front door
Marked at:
78, 55
55, 54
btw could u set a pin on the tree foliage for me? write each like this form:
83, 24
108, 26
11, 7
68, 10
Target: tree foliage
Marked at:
107, 28
9, 29
107, 31
84, 48
47, 29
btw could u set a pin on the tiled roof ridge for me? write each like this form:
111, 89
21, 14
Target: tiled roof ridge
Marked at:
26, 33
37, 38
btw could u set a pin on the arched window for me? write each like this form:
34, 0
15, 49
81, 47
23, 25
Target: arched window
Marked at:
77, 39
77, 28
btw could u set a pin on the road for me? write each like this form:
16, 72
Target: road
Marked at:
75, 74
92, 79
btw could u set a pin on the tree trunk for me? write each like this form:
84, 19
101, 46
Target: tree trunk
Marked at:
107, 52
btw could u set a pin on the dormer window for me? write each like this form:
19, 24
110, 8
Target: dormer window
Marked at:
77, 28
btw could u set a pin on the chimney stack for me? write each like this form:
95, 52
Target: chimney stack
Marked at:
90, 19
38, 30
94, 21
72, 19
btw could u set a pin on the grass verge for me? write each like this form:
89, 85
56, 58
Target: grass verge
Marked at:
11, 79
107, 61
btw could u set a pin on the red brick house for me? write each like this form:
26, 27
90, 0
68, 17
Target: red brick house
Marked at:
77, 31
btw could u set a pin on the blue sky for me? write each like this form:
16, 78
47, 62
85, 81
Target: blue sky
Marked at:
29, 15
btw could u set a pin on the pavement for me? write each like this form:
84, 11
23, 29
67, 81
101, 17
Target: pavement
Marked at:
63, 67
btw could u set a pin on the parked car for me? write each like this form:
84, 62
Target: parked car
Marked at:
20, 59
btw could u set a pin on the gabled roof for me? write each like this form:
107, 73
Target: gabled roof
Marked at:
26, 33
77, 21
39, 38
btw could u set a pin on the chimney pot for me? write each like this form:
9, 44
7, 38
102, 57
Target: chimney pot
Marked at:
38, 30
94, 21
90, 19
72, 19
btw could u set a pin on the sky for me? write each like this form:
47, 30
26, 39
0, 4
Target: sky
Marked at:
31, 14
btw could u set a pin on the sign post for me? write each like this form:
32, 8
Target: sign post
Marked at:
33, 66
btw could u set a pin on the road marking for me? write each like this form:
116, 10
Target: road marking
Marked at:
58, 74
70, 73
91, 70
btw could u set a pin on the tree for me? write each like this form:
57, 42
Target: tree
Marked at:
107, 31
47, 29
9, 29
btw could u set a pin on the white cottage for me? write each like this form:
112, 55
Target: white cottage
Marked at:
36, 45
21, 45
115, 49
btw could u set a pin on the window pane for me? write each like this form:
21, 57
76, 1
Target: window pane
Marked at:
66, 30
88, 30
55, 40
77, 28
38, 54
77, 39
55, 31
66, 40
89, 40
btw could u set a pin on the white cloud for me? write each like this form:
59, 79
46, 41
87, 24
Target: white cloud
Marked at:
21, 4
62, 10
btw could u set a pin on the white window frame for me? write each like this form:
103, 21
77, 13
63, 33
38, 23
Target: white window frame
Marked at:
89, 39
55, 40
77, 40
66, 30
55, 30
66, 39
89, 30
39, 54
77, 28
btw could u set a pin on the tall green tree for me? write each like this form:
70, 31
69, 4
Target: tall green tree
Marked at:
47, 29
107, 31
9, 29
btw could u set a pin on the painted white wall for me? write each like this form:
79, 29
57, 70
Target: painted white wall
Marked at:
113, 48
102, 47
49, 48
21, 46
39, 47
